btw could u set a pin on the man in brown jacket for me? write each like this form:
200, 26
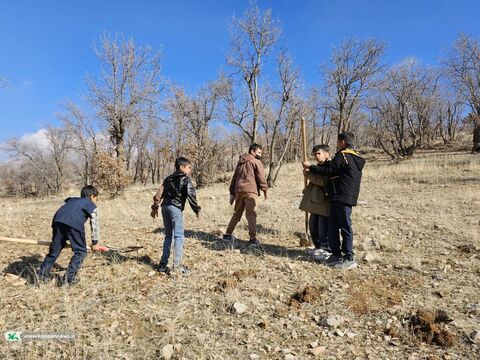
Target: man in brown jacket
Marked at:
247, 182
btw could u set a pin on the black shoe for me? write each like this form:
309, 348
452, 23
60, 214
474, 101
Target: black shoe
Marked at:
254, 243
64, 281
42, 279
333, 260
164, 269
227, 237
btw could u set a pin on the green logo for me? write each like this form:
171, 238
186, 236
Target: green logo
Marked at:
12, 336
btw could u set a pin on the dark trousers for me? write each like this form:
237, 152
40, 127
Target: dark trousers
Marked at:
340, 220
62, 233
319, 231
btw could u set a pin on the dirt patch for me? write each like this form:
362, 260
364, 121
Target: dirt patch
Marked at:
426, 325
376, 293
226, 284
468, 249
309, 294
242, 274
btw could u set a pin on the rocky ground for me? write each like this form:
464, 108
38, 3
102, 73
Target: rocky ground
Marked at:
415, 294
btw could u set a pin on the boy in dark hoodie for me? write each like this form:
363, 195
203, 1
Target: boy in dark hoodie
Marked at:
247, 182
174, 192
345, 171
69, 224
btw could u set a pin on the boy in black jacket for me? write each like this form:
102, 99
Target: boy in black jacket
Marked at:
174, 192
69, 224
345, 172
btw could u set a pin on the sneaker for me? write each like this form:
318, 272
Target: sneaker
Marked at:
42, 279
314, 251
64, 281
345, 264
254, 243
227, 237
332, 260
183, 270
164, 269
323, 256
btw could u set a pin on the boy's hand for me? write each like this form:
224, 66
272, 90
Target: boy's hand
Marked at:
97, 247
198, 214
232, 199
305, 165
265, 195
154, 212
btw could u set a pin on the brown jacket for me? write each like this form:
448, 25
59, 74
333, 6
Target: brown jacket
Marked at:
249, 176
314, 200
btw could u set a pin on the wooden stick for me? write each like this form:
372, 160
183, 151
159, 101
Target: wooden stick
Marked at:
304, 241
31, 241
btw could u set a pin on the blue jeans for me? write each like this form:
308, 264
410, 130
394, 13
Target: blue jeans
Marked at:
319, 231
173, 223
340, 219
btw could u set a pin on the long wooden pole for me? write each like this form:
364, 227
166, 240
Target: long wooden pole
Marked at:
306, 240
30, 241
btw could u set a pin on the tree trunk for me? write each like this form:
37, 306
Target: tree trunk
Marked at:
476, 139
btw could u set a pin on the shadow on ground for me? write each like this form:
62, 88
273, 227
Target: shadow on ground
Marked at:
27, 266
214, 242
113, 257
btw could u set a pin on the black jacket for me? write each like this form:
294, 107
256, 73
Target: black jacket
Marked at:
345, 172
177, 188
74, 213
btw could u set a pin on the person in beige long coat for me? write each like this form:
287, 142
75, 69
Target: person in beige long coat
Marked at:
315, 202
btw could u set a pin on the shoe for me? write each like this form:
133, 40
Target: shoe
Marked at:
227, 237
183, 270
333, 259
323, 256
164, 269
345, 264
314, 251
43, 279
64, 281
254, 243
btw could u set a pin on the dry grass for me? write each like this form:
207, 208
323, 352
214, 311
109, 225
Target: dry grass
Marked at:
417, 217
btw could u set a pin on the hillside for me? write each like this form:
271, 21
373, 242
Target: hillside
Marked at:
413, 296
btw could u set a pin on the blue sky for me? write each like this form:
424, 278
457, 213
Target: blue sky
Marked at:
46, 46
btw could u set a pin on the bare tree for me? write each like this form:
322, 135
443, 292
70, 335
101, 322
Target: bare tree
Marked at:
349, 76
252, 39
138, 139
44, 166
278, 120
317, 119
403, 110
196, 112
462, 66
449, 116
85, 140
128, 88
